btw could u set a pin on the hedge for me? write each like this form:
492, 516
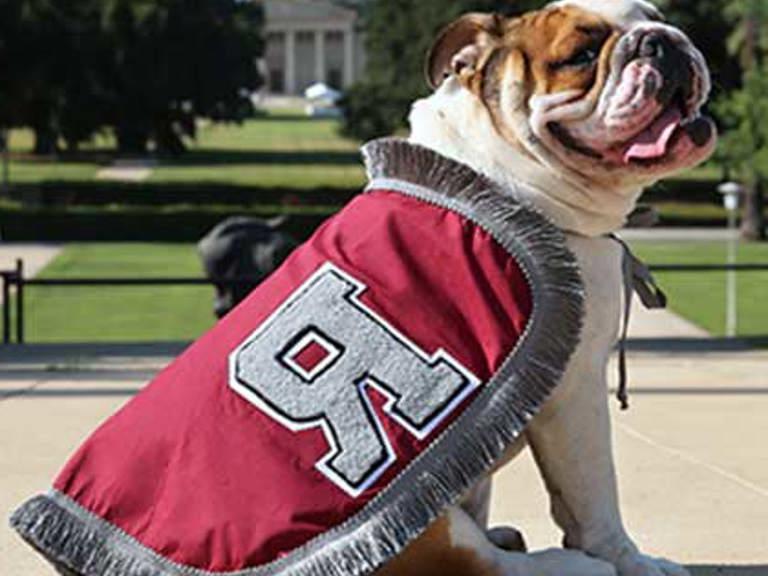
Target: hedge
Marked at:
98, 211
52, 194
95, 193
184, 225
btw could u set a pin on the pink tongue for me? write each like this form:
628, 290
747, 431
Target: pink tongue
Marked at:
653, 141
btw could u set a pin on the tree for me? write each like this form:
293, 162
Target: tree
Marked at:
745, 146
399, 34
44, 67
10, 71
709, 29
145, 68
176, 60
745, 143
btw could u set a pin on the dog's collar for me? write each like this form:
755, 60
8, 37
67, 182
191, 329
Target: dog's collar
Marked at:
636, 279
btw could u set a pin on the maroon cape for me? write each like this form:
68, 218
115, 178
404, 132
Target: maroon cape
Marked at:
359, 391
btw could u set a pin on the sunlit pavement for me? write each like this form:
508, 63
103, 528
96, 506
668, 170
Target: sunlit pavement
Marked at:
692, 461
691, 452
35, 256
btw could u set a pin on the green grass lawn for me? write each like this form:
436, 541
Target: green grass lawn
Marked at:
119, 314
183, 313
27, 169
700, 297
34, 171
287, 150
276, 175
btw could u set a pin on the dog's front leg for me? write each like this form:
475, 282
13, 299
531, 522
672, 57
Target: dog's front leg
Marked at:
571, 438
571, 444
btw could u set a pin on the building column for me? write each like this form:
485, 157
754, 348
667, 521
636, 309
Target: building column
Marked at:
320, 56
349, 56
290, 62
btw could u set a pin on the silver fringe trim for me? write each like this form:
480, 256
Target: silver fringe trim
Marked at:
83, 544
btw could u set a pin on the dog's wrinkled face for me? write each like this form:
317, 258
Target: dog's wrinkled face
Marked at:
602, 89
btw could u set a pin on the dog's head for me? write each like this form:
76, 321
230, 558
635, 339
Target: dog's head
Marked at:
602, 90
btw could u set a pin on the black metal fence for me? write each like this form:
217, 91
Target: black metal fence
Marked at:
14, 283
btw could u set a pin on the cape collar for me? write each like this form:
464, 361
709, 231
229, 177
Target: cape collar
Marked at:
390, 161
396, 159
399, 159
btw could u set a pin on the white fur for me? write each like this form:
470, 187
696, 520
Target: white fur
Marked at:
623, 13
571, 438
453, 122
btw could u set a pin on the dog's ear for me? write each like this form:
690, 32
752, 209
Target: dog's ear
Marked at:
460, 46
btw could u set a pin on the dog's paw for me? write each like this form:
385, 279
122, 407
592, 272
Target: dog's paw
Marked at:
559, 562
642, 565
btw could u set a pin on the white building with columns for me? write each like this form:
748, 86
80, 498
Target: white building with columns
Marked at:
311, 41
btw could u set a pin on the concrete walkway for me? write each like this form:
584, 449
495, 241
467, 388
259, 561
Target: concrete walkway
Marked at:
646, 324
692, 462
691, 452
35, 256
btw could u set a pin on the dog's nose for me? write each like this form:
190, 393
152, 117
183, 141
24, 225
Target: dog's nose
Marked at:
655, 45
671, 60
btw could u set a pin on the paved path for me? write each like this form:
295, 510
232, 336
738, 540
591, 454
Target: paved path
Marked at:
692, 462
127, 171
691, 452
35, 256
647, 324
678, 234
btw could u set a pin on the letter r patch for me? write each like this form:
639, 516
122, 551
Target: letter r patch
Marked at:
308, 366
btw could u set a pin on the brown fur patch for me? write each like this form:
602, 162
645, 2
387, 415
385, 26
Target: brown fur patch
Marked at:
433, 553
549, 39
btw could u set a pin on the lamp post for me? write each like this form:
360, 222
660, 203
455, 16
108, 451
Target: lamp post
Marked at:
732, 192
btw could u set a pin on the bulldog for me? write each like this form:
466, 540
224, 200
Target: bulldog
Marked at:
445, 291
576, 108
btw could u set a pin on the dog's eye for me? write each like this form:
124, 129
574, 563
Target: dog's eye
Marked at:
583, 58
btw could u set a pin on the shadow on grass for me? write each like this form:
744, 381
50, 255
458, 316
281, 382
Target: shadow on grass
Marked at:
204, 157
211, 157
95, 157
761, 570
65, 195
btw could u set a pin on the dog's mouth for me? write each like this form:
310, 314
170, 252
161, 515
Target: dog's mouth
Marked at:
674, 131
669, 133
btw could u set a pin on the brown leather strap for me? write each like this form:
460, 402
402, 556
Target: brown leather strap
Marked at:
637, 278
